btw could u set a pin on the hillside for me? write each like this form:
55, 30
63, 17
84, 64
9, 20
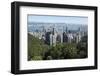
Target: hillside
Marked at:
36, 48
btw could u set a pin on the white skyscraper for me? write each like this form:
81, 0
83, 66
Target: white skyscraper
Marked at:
78, 37
70, 37
51, 39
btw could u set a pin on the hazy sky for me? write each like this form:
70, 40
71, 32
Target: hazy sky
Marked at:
58, 19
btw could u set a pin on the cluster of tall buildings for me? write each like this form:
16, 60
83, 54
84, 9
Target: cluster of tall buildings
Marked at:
53, 35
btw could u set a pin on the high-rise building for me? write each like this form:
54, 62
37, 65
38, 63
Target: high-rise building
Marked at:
70, 37
65, 37
54, 37
48, 38
54, 33
51, 37
78, 37
66, 29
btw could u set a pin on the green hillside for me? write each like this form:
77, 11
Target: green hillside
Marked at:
36, 48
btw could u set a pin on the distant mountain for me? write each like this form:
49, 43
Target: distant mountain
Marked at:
39, 26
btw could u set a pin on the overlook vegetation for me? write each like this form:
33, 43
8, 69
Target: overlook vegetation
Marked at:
38, 50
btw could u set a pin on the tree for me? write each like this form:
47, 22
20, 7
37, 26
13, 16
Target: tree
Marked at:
82, 50
69, 51
36, 48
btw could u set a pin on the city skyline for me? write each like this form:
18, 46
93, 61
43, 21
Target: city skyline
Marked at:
58, 26
57, 37
59, 22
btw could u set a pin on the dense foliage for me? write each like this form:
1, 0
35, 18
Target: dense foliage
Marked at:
38, 50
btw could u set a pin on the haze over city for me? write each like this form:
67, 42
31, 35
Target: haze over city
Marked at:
59, 22
57, 37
